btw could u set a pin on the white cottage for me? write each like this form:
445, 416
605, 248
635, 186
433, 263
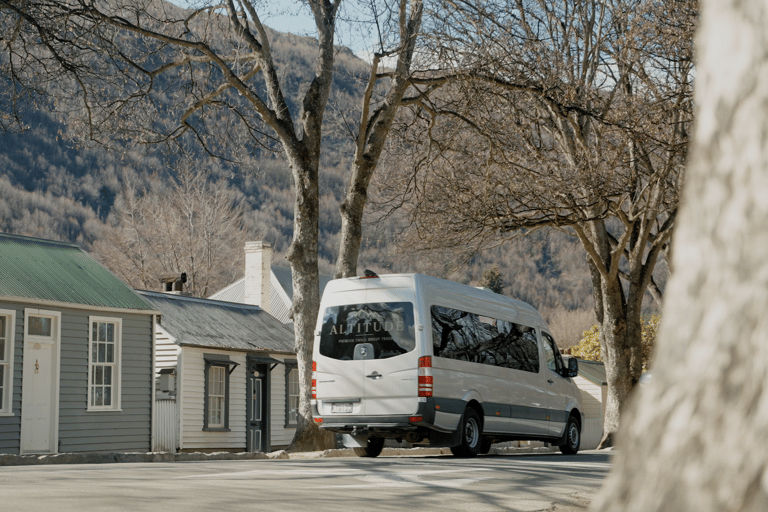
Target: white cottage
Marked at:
227, 377
593, 386
265, 285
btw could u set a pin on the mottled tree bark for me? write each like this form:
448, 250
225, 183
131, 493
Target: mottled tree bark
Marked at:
695, 439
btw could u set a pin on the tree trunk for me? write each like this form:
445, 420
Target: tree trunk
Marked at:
302, 255
695, 439
352, 220
616, 356
619, 316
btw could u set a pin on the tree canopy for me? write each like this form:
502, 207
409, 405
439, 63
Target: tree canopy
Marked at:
573, 115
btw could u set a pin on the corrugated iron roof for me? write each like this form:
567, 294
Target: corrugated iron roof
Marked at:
593, 371
60, 272
218, 324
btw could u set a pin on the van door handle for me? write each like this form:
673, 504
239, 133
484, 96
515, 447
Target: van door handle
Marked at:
375, 376
550, 381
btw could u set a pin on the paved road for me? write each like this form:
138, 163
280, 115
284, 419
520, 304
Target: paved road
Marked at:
440, 483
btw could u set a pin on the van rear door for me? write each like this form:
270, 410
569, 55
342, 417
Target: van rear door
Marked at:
367, 362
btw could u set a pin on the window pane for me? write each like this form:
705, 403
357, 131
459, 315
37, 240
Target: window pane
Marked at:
99, 398
550, 355
108, 395
368, 331
102, 331
108, 375
110, 333
469, 337
98, 377
256, 403
39, 326
110, 353
2, 385
2, 350
216, 395
95, 332
102, 353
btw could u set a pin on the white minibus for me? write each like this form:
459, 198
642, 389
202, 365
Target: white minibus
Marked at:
432, 362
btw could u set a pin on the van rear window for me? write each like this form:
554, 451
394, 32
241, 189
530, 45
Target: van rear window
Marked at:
367, 331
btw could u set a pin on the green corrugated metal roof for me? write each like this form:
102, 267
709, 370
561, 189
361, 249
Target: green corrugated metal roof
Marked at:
60, 272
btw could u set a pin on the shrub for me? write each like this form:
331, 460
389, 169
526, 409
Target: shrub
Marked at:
589, 346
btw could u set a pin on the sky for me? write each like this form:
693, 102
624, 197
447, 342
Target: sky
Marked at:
289, 16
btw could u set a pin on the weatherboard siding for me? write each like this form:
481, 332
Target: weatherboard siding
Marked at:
10, 426
166, 351
592, 410
280, 435
129, 428
80, 430
192, 382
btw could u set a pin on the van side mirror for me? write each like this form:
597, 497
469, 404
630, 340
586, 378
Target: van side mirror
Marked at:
573, 367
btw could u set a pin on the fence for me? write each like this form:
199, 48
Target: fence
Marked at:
165, 432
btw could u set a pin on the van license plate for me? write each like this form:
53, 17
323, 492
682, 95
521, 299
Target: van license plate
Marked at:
341, 407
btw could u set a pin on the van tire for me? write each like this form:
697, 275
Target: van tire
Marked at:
471, 434
373, 448
572, 437
485, 446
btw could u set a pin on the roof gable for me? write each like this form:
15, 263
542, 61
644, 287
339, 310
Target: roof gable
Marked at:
221, 325
235, 292
53, 271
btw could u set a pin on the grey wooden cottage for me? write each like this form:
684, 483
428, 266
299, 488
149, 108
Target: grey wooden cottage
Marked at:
76, 369
227, 377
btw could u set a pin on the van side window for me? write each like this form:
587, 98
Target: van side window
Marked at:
554, 359
470, 337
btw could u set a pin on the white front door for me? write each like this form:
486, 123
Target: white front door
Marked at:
40, 382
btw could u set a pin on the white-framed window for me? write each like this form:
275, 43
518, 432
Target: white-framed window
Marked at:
291, 394
104, 350
218, 368
217, 396
7, 331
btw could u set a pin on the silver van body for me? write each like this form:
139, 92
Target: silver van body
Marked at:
433, 362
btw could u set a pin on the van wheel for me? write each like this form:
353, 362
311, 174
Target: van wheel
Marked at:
373, 448
471, 435
572, 437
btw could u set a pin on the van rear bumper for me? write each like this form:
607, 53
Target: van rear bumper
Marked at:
388, 426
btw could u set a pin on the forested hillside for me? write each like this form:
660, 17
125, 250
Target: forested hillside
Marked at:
52, 187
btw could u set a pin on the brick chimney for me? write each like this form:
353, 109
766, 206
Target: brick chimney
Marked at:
258, 271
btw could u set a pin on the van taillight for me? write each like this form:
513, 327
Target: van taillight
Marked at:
314, 380
425, 376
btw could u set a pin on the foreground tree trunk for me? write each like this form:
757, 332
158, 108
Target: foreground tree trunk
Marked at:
695, 440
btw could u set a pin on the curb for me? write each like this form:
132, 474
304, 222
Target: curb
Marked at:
112, 458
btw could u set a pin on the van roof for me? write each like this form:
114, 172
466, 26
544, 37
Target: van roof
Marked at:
399, 280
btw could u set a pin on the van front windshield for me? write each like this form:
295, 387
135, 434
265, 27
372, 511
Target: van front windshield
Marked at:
367, 331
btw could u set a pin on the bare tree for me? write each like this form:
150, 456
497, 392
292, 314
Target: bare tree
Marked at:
218, 56
194, 225
573, 115
694, 441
